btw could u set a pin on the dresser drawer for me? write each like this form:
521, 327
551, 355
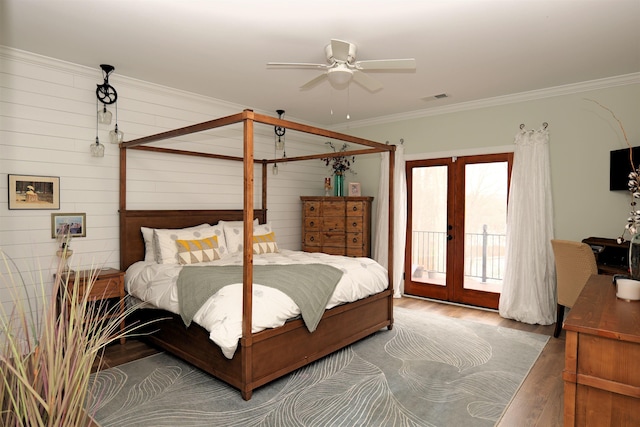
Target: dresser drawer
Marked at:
312, 208
333, 223
334, 250
333, 208
596, 359
354, 224
359, 252
354, 240
355, 209
312, 223
333, 239
312, 239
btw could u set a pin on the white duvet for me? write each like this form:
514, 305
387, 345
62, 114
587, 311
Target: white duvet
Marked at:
221, 315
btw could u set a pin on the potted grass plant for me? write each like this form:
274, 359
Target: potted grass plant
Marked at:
48, 352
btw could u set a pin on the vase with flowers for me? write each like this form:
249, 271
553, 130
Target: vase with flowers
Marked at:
340, 165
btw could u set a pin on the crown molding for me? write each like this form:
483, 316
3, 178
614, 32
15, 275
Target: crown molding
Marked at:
60, 65
573, 88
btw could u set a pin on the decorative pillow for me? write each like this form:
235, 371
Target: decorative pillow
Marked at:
195, 251
265, 244
234, 234
165, 241
149, 244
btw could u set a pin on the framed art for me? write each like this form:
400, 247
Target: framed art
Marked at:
34, 192
75, 223
354, 189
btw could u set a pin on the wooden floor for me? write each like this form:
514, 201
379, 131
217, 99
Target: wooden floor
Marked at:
537, 403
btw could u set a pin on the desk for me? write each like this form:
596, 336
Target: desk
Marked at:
602, 358
611, 256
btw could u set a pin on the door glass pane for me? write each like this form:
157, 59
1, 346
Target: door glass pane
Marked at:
429, 225
485, 225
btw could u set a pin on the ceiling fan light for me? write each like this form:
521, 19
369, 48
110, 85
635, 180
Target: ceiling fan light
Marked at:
339, 76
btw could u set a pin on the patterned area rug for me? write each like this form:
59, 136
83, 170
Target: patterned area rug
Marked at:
428, 371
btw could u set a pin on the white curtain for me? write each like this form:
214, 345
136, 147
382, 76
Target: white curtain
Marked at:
380, 241
529, 287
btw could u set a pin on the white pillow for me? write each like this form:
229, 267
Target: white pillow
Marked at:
234, 235
167, 248
149, 244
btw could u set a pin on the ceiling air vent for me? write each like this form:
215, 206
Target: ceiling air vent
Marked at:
435, 97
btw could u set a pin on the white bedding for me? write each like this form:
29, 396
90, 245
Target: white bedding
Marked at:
221, 315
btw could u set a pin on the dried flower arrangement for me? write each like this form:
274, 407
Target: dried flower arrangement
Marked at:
633, 221
339, 164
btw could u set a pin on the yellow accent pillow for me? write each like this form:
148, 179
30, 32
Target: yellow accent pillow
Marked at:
195, 251
265, 244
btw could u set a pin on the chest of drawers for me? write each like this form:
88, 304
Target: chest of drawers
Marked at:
337, 225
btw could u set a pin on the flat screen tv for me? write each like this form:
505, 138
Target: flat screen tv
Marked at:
620, 167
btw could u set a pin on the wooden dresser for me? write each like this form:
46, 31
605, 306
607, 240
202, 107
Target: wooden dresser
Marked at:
337, 225
602, 358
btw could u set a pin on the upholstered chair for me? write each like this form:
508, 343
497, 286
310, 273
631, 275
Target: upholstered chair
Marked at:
575, 262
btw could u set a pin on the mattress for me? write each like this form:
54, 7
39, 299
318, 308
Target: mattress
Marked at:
221, 315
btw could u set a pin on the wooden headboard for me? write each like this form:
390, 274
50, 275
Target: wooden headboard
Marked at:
132, 244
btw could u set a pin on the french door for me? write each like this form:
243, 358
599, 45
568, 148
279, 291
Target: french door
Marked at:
456, 228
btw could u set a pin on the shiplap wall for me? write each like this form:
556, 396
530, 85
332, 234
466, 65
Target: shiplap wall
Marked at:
47, 123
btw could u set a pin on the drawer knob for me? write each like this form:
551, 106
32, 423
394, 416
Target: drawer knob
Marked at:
312, 223
355, 208
355, 240
312, 208
311, 239
355, 223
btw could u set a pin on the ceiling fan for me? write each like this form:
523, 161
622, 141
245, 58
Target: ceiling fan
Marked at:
342, 66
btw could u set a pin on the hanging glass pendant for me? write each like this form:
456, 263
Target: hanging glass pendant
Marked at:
104, 115
116, 136
97, 149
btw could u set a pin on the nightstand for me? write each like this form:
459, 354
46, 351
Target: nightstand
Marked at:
108, 288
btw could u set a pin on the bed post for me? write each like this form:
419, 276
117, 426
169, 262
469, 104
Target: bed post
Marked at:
247, 280
264, 190
392, 162
123, 203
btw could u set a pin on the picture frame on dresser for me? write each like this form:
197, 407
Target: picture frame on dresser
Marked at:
34, 192
354, 189
73, 223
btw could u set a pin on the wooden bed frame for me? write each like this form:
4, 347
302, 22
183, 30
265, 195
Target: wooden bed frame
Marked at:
264, 356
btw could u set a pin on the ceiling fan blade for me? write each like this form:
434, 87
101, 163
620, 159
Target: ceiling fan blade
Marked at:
366, 81
296, 65
313, 82
387, 64
340, 50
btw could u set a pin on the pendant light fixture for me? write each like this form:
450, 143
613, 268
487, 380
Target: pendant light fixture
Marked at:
107, 95
116, 136
97, 149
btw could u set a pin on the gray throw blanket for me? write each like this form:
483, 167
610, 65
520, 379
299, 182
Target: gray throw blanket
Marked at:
310, 286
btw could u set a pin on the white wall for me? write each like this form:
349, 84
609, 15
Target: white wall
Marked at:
581, 136
48, 121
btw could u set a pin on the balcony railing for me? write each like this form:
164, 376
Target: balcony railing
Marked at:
484, 253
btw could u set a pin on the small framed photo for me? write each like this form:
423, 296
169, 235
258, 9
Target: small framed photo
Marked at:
34, 192
354, 189
73, 223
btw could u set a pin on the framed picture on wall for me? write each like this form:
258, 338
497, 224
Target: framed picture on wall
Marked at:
73, 223
354, 189
34, 192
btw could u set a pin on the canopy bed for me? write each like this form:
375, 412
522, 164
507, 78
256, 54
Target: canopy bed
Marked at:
262, 356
